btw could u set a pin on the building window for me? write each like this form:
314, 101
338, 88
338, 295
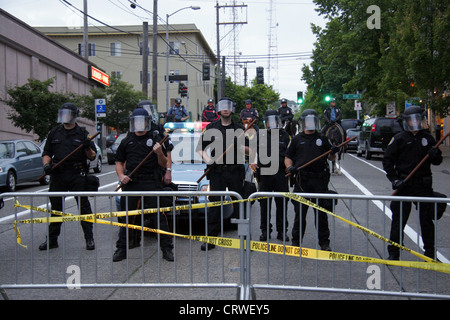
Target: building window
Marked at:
174, 47
91, 49
116, 50
140, 49
116, 74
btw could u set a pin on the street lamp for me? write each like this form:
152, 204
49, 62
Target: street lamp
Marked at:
167, 51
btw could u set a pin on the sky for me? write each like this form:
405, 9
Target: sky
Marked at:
288, 25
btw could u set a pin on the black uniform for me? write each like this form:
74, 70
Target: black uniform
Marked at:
313, 179
277, 182
402, 155
132, 150
71, 175
286, 114
210, 114
229, 174
249, 113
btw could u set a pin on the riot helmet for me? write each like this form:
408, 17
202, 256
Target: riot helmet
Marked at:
140, 120
177, 100
309, 120
68, 113
284, 100
414, 119
272, 119
225, 104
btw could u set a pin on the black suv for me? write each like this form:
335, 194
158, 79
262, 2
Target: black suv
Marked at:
376, 134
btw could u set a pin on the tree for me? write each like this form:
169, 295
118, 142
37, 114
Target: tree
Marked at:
34, 107
262, 96
121, 100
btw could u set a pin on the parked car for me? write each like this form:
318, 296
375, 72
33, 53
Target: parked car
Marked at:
111, 151
350, 124
96, 164
20, 161
110, 138
353, 145
375, 135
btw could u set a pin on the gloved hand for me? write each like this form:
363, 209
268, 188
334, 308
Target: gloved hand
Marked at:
87, 144
48, 168
335, 149
398, 184
292, 170
433, 153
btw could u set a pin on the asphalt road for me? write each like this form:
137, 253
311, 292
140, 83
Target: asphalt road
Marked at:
221, 266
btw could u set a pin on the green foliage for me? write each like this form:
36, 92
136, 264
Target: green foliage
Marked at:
121, 100
262, 96
410, 47
35, 107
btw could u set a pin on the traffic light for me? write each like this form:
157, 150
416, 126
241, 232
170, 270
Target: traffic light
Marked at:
180, 87
299, 97
206, 71
184, 91
259, 75
327, 98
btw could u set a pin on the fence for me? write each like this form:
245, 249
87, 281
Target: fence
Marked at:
356, 265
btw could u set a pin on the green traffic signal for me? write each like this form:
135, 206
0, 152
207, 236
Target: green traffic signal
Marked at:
327, 98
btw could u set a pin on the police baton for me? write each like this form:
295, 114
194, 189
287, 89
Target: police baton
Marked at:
143, 161
321, 156
422, 162
228, 149
68, 156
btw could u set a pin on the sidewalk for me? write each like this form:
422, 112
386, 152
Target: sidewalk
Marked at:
445, 151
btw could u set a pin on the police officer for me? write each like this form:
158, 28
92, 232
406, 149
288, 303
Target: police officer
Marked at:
404, 152
285, 112
209, 113
332, 115
305, 146
70, 175
273, 182
248, 114
224, 172
178, 113
144, 137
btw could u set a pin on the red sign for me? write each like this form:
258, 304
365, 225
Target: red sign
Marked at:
99, 76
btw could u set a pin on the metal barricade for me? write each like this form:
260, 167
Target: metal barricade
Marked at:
242, 266
357, 261
71, 266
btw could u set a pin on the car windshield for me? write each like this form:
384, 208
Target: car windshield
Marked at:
6, 150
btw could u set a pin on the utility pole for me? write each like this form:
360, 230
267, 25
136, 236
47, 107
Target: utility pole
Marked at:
245, 69
154, 80
145, 59
221, 77
85, 31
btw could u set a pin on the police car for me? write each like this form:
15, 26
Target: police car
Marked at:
188, 166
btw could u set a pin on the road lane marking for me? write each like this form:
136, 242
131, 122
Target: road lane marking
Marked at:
408, 230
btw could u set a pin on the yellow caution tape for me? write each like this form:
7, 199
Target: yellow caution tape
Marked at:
298, 198
256, 246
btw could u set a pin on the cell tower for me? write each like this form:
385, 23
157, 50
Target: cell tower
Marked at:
272, 63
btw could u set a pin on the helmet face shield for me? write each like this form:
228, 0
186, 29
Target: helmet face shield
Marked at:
310, 122
224, 105
66, 116
414, 122
272, 122
139, 123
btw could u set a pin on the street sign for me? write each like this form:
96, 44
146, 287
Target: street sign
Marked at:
100, 107
352, 96
357, 105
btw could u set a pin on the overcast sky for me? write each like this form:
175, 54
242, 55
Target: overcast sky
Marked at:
292, 38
